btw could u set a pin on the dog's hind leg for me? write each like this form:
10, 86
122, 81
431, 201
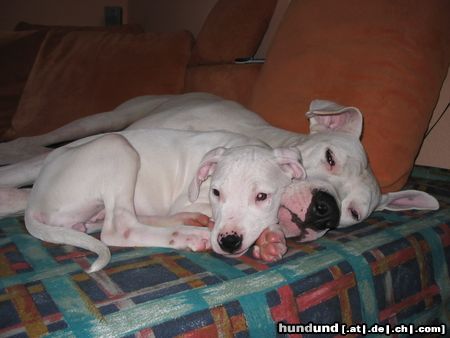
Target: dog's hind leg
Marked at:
22, 173
25, 147
121, 227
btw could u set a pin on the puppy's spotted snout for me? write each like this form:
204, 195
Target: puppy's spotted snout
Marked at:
230, 242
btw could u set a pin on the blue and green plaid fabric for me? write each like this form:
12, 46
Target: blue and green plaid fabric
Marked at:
391, 269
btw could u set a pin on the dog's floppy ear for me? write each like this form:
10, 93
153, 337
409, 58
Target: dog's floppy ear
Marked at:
289, 160
205, 169
407, 200
329, 116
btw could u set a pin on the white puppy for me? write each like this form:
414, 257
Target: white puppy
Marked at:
140, 185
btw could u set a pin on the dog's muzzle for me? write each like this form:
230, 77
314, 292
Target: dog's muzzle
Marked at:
323, 212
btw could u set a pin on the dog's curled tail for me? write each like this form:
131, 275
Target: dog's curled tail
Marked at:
61, 235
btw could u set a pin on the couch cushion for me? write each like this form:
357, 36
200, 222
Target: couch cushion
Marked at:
232, 29
81, 73
17, 53
230, 81
385, 57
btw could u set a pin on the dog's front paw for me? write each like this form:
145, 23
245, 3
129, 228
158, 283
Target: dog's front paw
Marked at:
191, 238
270, 246
191, 218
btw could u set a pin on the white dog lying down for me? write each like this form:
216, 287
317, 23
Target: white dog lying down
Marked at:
340, 189
141, 185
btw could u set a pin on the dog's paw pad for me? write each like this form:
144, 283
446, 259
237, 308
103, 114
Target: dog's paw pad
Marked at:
270, 246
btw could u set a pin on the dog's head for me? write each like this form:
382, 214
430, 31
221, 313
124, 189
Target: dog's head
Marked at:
246, 186
340, 189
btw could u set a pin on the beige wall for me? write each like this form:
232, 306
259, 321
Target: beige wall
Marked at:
153, 15
57, 12
435, 149
170, 15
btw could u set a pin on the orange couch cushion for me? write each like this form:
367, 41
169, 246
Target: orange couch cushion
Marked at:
233, 29
81, 73
17, 53
388, 58
230, 81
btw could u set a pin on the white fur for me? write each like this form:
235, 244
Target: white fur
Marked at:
130, 181
334, 129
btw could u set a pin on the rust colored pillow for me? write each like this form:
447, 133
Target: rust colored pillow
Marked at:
17, 53
81, 73
388, 58
233, 29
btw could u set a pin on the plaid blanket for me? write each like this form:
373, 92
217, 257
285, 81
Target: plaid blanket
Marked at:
390, 272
